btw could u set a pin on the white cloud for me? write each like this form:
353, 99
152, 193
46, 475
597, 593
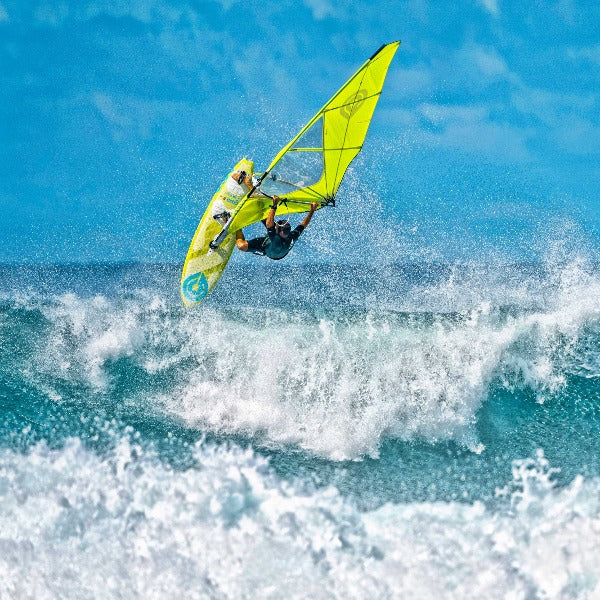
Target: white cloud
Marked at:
566, 11
474, 67
151, 11
320, 8
571, 120
487, 138
442, 114
397, 118
470, 130
491, 6
52, 15
119, 125
410, 81
551, 107
577, 136
589, 53
489, 62
227, 4
106, 107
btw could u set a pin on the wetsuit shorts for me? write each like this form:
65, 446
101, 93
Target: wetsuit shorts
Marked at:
255, 245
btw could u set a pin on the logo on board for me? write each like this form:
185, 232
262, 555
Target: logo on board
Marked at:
195, 287
352, 103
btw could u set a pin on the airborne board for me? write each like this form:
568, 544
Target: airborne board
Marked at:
203, 266
308, 169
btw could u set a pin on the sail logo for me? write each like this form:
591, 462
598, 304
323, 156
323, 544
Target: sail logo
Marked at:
195, 287
353, 103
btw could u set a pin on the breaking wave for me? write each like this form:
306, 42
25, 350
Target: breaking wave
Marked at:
332, 383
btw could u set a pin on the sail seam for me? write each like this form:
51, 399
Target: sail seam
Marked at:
324, 149
337, 106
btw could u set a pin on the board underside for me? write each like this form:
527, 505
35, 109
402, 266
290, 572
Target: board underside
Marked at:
203, 267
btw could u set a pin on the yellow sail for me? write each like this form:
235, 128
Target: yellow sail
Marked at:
312, 165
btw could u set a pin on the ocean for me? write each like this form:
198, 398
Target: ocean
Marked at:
310, 431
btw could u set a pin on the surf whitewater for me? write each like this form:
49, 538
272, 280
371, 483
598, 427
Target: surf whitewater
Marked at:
309, 432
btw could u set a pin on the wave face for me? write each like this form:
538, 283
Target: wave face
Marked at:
418, 431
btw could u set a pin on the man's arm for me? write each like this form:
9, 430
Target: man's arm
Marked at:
308, 217
300, 228
240, 240
270, 222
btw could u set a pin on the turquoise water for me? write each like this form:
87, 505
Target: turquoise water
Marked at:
310, 431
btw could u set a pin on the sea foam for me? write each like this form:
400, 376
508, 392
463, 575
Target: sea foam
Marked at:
75, 523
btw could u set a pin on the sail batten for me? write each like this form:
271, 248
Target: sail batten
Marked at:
350, 103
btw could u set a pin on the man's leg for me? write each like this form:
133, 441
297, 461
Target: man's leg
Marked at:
240, 241
254, 245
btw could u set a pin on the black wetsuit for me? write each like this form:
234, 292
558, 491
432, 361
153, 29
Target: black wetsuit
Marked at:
273, 245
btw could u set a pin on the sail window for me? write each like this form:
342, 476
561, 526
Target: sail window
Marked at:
301, 166
312, 137
295, 170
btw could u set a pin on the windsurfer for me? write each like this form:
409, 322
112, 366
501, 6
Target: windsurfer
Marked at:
279, 239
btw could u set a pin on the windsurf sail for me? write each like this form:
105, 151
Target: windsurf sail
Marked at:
312, 165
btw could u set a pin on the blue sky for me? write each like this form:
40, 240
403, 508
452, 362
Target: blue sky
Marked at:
119, 119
